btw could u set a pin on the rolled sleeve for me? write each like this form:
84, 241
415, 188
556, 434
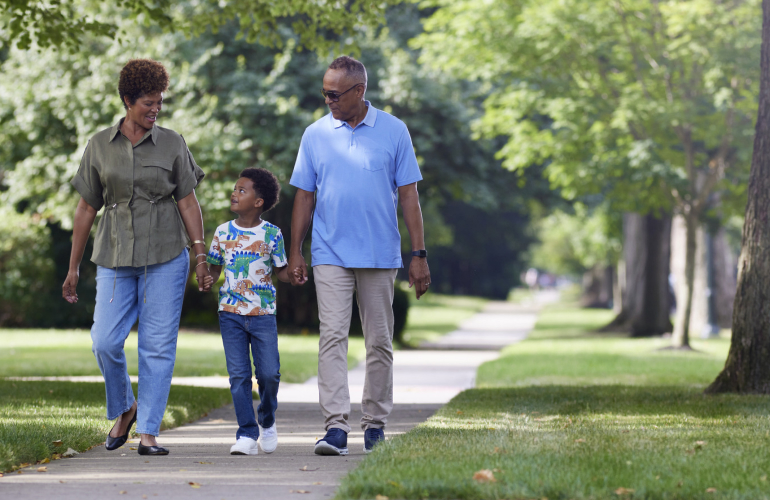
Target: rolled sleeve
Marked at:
407, 169
87, 181
188, 173
304, 175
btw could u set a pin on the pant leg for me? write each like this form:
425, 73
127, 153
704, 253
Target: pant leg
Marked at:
158, 331
374, 291
235, 339
334, 288
112, 324
267, 365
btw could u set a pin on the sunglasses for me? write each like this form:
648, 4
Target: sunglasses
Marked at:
334, 96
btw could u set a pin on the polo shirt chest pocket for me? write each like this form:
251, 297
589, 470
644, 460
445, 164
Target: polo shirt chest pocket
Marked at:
157, 174
375, 158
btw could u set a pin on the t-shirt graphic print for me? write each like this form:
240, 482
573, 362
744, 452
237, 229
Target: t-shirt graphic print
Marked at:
248, 256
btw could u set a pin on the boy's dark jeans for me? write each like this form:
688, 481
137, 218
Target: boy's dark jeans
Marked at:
238, 332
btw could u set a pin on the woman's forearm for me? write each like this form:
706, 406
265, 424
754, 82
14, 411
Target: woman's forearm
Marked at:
85, 215
192, 218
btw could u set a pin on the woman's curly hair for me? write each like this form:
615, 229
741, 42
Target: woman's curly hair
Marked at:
265, 184
141, 77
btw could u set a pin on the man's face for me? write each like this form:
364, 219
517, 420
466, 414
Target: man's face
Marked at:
337, 81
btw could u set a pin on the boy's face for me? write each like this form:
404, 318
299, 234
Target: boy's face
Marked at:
245, 198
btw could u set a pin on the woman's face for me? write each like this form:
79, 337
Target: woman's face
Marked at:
145, 110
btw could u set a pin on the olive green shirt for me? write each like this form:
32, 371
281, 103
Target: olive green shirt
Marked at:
138, 186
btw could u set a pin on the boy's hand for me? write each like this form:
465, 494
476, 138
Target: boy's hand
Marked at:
208, 282
299, 270
298, 277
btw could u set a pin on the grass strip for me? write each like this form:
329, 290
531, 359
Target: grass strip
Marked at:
436, 315
52, 353
573, 414
34, 416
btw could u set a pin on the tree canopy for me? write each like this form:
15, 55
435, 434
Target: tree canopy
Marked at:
67, 24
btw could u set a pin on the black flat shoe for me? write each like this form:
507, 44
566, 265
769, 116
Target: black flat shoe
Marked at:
152, 450
115, 443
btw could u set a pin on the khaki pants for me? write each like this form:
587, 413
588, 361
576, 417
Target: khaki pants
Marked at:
374, 290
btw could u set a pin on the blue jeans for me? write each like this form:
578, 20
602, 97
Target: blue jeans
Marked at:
262, 333
158, 330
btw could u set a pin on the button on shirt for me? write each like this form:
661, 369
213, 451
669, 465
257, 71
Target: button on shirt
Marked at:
356, 174
137, 186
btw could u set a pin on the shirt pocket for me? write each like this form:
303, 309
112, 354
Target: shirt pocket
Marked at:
158, 174
375, 158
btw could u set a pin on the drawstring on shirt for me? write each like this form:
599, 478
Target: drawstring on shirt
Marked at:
153, 205
113, 207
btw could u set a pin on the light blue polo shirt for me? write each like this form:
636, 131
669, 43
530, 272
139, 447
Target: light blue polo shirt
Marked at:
356, 174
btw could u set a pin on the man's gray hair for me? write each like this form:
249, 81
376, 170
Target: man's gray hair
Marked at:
354, 69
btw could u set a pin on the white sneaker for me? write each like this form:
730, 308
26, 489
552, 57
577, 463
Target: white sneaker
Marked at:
268, 439
244, 446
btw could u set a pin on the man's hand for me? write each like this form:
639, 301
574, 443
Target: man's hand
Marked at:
298, 270
419, 276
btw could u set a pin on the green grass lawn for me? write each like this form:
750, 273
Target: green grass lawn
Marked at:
30, 353
36, 414
435, 315
571, 414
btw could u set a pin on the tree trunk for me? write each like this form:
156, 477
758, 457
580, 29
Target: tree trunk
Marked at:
597, 287
681, 337
723, 289
643, 277
747, 369
700, 321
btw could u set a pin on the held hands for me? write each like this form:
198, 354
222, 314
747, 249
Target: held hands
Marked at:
208, 282
298, 273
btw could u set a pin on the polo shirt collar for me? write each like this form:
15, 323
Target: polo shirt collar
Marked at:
369, 119
153, 131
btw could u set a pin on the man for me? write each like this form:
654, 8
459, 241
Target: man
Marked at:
358, 161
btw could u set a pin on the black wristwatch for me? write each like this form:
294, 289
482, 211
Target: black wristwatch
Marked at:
420, 253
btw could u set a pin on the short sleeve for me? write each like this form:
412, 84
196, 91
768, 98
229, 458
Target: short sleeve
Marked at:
216, 255
188, 173
87, 181
279, 251
407, 170
304, 175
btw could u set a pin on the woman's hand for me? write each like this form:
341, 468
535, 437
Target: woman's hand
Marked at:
202, 275
69, 288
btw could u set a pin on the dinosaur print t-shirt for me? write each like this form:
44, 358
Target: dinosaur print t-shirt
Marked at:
248, 256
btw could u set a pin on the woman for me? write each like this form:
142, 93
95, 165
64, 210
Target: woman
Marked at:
135, 170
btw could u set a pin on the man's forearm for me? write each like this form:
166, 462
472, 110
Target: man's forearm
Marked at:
410, 205
300, 219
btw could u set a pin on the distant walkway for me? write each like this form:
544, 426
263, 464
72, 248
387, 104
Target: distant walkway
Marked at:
425, 379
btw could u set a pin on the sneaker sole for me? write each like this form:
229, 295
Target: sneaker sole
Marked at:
324, 448
266, 450
242, 453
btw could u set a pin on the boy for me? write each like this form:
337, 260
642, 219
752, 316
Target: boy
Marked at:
250, 249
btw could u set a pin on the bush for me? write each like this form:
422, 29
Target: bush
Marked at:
26, 268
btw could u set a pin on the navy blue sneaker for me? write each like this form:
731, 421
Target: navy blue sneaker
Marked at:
335, 442
372, 437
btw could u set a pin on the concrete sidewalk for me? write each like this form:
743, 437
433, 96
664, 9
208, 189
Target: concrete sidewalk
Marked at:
200, 466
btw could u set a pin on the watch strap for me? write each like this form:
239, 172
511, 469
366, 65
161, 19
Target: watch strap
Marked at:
420, 253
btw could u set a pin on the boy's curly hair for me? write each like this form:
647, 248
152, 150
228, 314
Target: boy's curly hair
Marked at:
141, 77
265, 184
